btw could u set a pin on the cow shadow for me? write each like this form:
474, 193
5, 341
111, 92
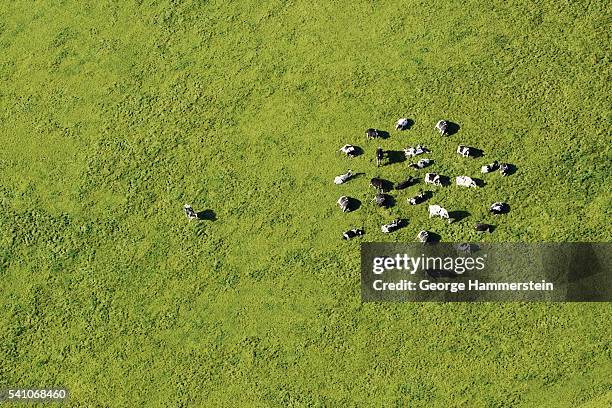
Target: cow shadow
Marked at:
445, 181
208, 215
353, 204
458, 215
433, 238
395, 156
409, 125
479, 182
476, 153
358, 151
452, 128
383, 134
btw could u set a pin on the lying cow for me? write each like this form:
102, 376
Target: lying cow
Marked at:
437, 211
421, 164
382, 200
480, 227
466, 151
419, 198
189, 212
350, 234
499, 208
415, 151
372, 133
392, 226
379, 156
423, 237
433, 178
343, 178
345, 203
378, 183
350, 150
406, 183
442, 127
488, 168
504, 169
465, 181
402, 124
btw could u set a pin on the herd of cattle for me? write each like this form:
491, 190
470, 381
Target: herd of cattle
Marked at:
381, 186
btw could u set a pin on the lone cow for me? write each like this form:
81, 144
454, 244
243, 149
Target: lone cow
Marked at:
352, 233
189, 212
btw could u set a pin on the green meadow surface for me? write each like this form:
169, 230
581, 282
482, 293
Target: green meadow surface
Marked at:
113, 114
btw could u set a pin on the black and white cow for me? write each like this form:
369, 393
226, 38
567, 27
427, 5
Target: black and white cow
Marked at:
433, 178
382, 200
350, 234
423, 236
380, 154
344, 202
419, 198
402, 124
378, 183
415, 151
372, 133
437, 211
465, 181
488, 168
442, 127
504, 169
406, 183
465, 151
343, 178
421, 164
499, 208
392, 226
350, 150
189, 212
481, 227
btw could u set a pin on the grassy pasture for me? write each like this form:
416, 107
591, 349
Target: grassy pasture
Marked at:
113, 114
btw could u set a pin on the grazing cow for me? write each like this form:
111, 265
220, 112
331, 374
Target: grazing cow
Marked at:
344, 203
406, 183
437, 211
190, 213
480, 227
423, 236
466, 151
466, 247
442, 127
421, 164
372, 133
382, 200
433, 178
349, 150
402, 124
499, 208
465, 181
379, 156
378, 184
392, 226
419, 198
415, 151
504, 169
350, 234
488, 168
343, 178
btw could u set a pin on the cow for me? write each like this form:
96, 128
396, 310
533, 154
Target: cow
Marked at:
343, 178
372, 133
190, 213
419, 198
415, 151
344, 203
433, 178
465, 181
480, 227
350, 150
488, 168
466, 151
379, 156
442, 127
350, 234
392, 226
382, 200
504, 169
437, 211
378, 183
402, 124
499, 208
421, 164
423, 236
406, 183
466, 248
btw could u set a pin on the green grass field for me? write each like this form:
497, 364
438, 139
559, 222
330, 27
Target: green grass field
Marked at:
113, 114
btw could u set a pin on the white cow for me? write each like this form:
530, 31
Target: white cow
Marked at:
488, 168
465, 181
402, 124
349, 150
437, 211
415, 151
343, 178
344, 203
